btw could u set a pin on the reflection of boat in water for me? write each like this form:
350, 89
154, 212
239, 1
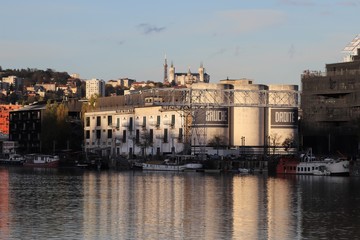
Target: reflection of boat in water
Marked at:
312, 166
41, 160
173, 163
12, 159
244, 170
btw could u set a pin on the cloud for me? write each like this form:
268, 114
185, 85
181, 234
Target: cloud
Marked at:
219, 52
349, 3
146, 28
240, 21
297, 2
121, 42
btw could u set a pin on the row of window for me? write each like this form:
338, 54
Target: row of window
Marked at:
137, 135
300, 169
110, 121
25, 115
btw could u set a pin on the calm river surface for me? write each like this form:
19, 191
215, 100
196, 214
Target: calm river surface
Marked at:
58, 204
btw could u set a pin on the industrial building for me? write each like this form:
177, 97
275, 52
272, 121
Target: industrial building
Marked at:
245, 116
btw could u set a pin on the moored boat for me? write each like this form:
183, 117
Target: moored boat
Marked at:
12, 159
174, 163
321, 171
292, 165
193, 166
164, 166
244, 170
41, 160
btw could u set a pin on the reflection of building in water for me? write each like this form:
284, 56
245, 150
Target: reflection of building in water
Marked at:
248, 208
4, 204
279, 213
147, 205
263, 209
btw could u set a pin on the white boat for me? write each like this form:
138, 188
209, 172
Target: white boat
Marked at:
337, 166
308, 164
13, 159
163, 167
244, 170
193, 166
41, 160
321, 171
174, 163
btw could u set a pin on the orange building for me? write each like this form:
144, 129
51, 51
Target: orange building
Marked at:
4, 116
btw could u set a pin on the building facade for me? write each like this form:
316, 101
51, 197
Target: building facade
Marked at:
243, 115
4, 116
95, 86
148, 130
27, 128
330, 104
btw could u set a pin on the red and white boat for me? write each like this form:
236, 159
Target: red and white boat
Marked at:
313, 166
41, 160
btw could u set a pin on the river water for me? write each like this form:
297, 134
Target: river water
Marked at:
64, 204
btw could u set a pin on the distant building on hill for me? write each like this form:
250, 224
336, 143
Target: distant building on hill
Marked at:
122, 82
4, 116
12, 80
185, 79
95, 86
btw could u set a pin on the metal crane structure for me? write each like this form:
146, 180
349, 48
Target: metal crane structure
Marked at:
192, 103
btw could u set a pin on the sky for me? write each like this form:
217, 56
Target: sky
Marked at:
268, 41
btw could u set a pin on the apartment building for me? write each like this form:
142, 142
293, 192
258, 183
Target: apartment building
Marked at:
95, 86
330, 104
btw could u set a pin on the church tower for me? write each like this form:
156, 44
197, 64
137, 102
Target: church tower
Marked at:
165, 71
201, 73
172, 73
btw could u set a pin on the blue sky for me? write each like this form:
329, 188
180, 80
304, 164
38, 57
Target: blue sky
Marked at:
270, 41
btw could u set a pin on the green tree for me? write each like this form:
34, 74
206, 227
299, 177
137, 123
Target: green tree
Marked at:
55, 131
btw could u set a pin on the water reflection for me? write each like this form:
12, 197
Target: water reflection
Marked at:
41, 204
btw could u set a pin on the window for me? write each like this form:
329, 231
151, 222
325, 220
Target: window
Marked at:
151, 135
137, 136
173, 120
131, 124
98, 134
98, 121
124, 136
109, 120
87, 124
87, 134
165, 135
144, 122
109, 133
180, 137
118, 122
158, 121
